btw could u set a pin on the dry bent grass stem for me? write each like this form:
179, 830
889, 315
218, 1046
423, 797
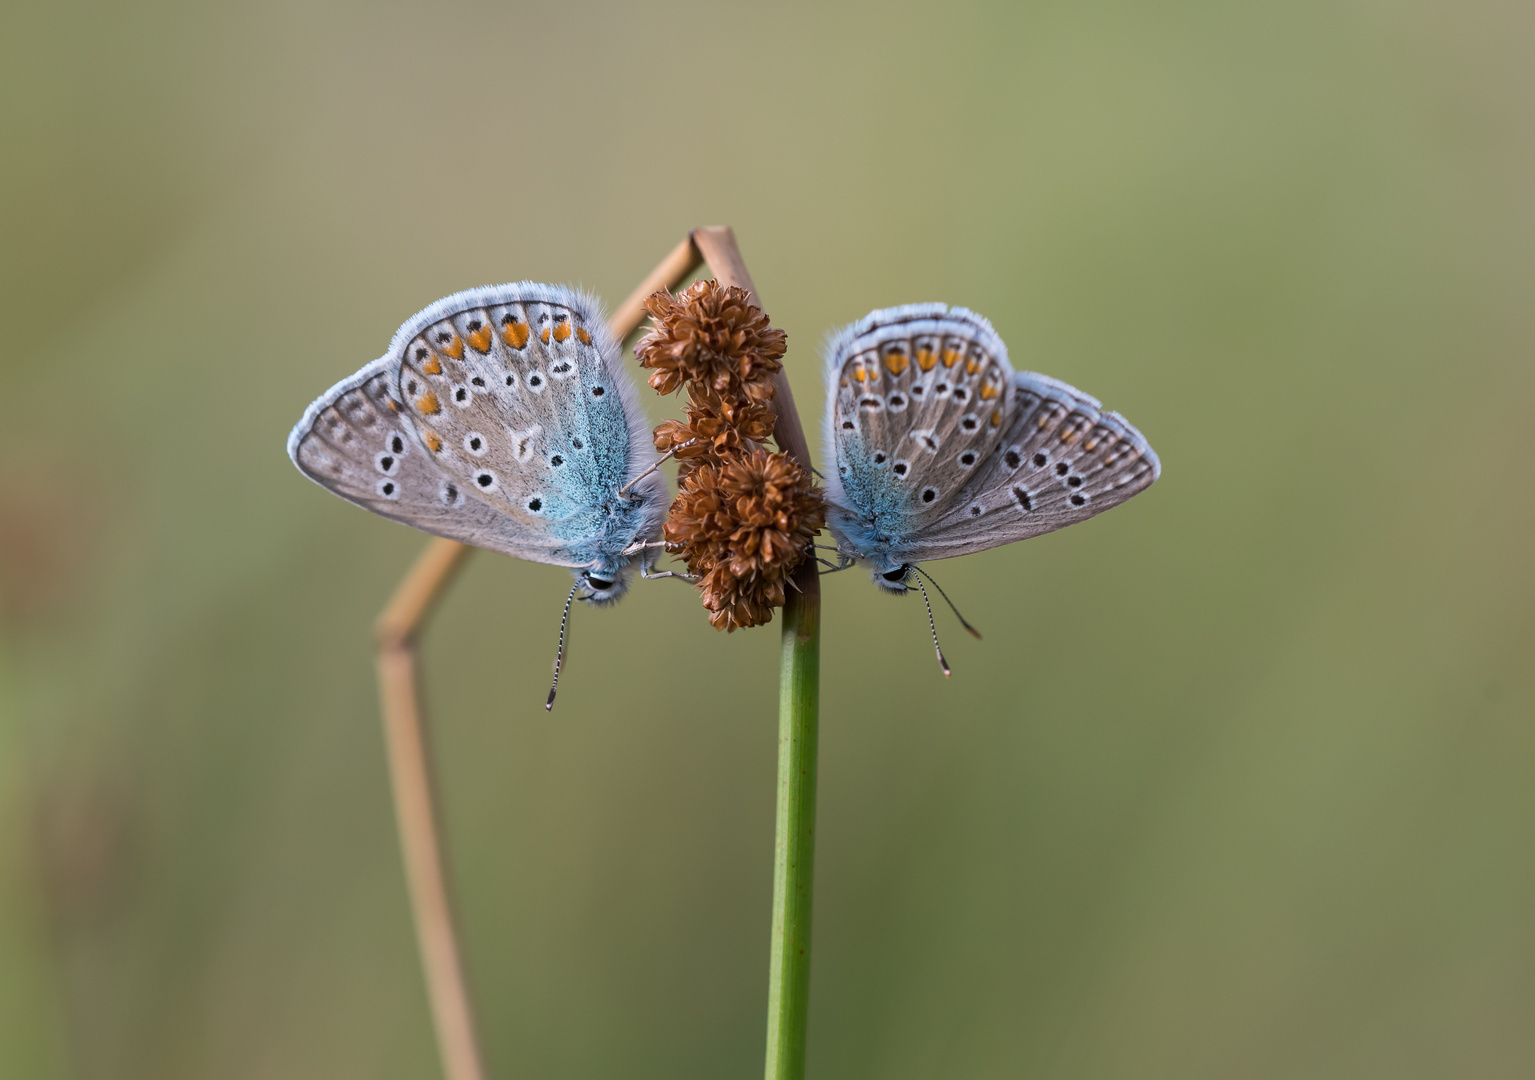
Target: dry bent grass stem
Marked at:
744, 518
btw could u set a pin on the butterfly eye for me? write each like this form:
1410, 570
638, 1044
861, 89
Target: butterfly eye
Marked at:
597, 583
896, 575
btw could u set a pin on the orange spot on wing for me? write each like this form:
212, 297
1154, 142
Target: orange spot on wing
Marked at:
562, 330
988, 392
582, 336
456, 350
926, 360
972, 366
480, 339
433, 366
515, 334
860, 374
896, 362
427, 403
950, 357
543, 335
394, 406
996, 418
433, 443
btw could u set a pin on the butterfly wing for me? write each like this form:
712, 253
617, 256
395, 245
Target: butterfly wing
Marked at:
917, 400
1061, 460
936, 441
511, 398
354, 441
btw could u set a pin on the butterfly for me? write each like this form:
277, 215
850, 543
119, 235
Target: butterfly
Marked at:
941, 449
499, 417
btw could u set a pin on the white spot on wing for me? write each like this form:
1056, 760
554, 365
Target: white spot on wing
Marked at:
525, 443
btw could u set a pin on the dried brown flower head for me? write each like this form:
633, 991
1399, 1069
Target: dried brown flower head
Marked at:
713, 336
743, 526
715, 427
744, 518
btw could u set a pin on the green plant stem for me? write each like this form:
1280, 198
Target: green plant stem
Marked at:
798, 704
794, 843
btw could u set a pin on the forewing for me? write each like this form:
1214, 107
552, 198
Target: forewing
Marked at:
1061, 459
513, 397
356, 442
917, 401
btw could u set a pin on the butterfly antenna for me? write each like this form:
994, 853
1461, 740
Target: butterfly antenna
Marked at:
974, 632
559, 654
931, 625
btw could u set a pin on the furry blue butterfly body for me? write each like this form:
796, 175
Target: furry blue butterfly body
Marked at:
941, 449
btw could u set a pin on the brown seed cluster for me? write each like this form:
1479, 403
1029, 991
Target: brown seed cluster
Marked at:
713, 337
716, 427
744, 518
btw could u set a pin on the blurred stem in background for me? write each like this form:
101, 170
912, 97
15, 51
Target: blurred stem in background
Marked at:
398, 634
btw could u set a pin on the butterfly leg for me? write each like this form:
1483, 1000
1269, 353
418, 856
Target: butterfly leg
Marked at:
623, 491
647, 562
844, 560
642, 546
648, 576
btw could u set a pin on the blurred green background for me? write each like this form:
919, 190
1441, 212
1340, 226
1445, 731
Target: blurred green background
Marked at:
1239, 782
